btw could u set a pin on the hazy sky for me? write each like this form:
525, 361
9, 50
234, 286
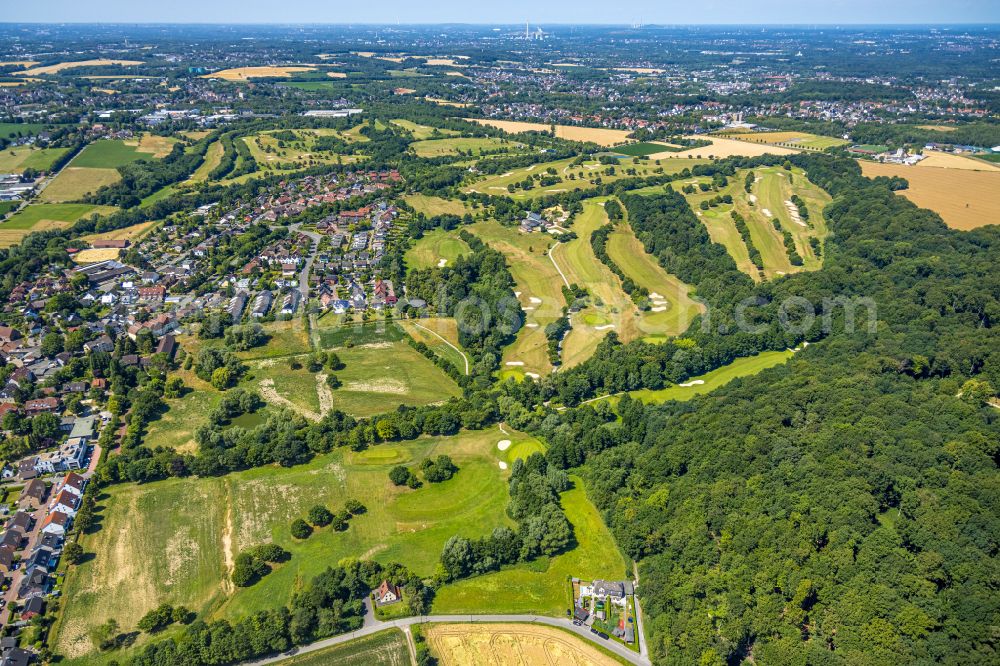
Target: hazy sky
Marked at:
505, 11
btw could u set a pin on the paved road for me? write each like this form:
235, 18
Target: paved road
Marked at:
372, 626
10, 595
307, 267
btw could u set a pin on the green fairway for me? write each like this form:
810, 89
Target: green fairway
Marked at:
18, 158
213, 156
385, 648
671, 306
422, 132
436, 248
543, 586
538, 288
741, 367
462, 145
774, 191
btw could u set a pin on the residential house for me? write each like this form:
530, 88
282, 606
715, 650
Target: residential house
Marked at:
66, 502
72, 483
16, 657
101, 344
387, 593
56, 523
41, 406
33, 607
33, 494
7, 558
9, 334
167, 345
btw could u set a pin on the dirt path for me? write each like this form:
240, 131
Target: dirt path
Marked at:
411, 645
228, 558
324, 393
270, 395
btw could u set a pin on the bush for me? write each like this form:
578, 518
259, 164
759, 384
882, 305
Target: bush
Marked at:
399, 475
269, 552
439, 469
248, 569
157, 619
355, 507
301, 529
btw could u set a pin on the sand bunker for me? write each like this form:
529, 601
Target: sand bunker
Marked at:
442, 262
515, 363
535, 300
503, 444
503, 465
693, 382
604, 328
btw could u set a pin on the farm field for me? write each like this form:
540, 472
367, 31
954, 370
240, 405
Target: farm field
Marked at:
723, 147
457, 145
539, 290
708, 382
74, 183
939, 160
542, 586
609, 308
113, 153
598, 135
964, 199
441, 335
791, 140
62, 66
39, 217
490, 644
174, 540
436, 248
431, 206
247, 73
16, 159
385, 648
680, 308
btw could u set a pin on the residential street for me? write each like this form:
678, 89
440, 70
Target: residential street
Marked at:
373, 625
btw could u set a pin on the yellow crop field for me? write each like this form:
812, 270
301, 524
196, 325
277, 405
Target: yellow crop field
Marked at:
58, 67
159, 146
134, 232
444, 102
93, 255
723, 147
599, 135
789, 139
939, 160
494, 644
337, 75
247, 73
964, 199
938, 128
19, 63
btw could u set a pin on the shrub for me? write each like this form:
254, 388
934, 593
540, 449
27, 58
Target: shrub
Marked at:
320, 516
301, 529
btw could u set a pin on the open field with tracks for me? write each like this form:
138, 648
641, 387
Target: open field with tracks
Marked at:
598, 135
441, 335
493, 644
462, 145
247, 73
792, 140
40, 217
174, 540
722, 147
964, 199
74, 183
385, 648
431, 206
938, 160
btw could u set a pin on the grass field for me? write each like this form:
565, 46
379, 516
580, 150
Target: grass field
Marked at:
295, 155
431, 206
598, 135
62, 66
640, 149
430, 331
422, 132
492, 644
174, 540
385, 648
539, 290
457, 145
964, 199
791, 140
213, 156
542, 586
741, 367
247, 73
436, 246
585, 176
113, 153
723, 147
672, 307
18, 158
73, 183
39, 217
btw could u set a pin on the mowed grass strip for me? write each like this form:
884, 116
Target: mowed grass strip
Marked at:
421, 132
41, 217
680, 308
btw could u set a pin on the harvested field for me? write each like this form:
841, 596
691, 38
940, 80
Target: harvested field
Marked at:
598, 135
158, 146
247, 73
59, 67
93, 255
788, 139
74, 183
444, 102
964, 199
940, 160
722, 147
496, 644
385, 648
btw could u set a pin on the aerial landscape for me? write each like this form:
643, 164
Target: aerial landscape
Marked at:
414, 335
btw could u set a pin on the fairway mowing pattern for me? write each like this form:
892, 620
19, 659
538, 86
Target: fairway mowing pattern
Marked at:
491, 644
435, 246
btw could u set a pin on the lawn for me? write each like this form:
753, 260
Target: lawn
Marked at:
385, 648
671, 306
18, 158
173, 541
539, 289
431, 206
435, 247
542, 586
462, 145
75, 182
